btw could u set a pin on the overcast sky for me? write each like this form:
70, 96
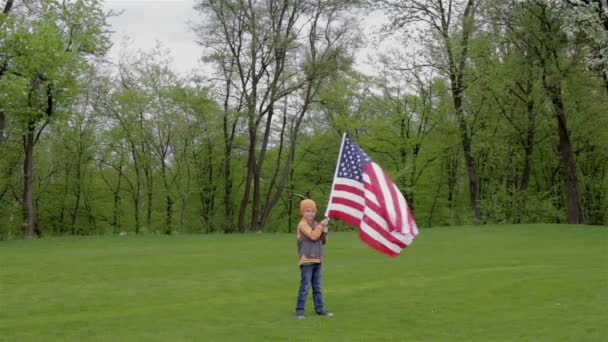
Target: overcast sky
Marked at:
147, 21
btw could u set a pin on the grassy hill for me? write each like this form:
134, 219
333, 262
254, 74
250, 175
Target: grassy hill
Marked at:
488, 283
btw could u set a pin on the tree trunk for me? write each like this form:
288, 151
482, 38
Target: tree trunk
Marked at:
528, 148
229, 130
116, 211
146, 164
257, 216
436, 197
208, 188
168, 199
7, 6
290, 201
211, 182
117, 198
182, 210
169, 214
66, 191
276, 181
1, 126
136, 190
473, 182
255, 203
457, 65
28, 174
149, 193
29, 140
77, 191
574, 204
469, 160
228, 212
136, 209
248, 179
452, 176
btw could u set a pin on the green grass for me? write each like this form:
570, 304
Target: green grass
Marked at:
490, 283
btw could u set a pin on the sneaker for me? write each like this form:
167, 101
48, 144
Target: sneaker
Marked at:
325, 313
300, 316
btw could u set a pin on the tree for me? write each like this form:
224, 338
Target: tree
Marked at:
5, 12
551, 50
197, 155
45, 49
127, 108
589, 18
263, 64
406, 114
452, 25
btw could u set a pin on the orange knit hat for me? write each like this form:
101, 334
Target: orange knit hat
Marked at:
307, 204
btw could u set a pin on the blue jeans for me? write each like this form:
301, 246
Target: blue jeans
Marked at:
310, 274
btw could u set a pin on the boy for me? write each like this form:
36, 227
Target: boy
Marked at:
311, 238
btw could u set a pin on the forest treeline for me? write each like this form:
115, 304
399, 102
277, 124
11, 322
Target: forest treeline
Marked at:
481, 111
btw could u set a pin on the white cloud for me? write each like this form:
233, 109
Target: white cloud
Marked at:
147, 22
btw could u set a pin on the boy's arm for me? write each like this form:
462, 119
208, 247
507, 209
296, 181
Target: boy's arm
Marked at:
323, 226
313, 234
324, 238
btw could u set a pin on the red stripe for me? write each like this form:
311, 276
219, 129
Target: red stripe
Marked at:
384, 208
349, 188
347, 202
385, 234
376, 245
340, 215
347, 208
410, 221
373, 187
379, 228
374, 207
395, 196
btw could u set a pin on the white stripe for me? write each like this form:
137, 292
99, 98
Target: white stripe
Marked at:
410, 232
370, 196
386, 193
349, 182
365, 178
345, 209
402, 210
349, 196
371, 232
381, 221
413, 230
405, 238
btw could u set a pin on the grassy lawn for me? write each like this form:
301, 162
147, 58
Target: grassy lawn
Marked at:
490, 283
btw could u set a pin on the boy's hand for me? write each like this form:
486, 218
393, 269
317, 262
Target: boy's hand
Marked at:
324, 222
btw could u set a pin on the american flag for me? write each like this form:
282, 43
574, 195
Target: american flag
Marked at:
364, 196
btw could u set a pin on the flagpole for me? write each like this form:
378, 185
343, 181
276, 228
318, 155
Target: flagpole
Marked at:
335, 173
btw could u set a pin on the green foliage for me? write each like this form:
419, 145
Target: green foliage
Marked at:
507, 206
46, 51
144, 150
43, 57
